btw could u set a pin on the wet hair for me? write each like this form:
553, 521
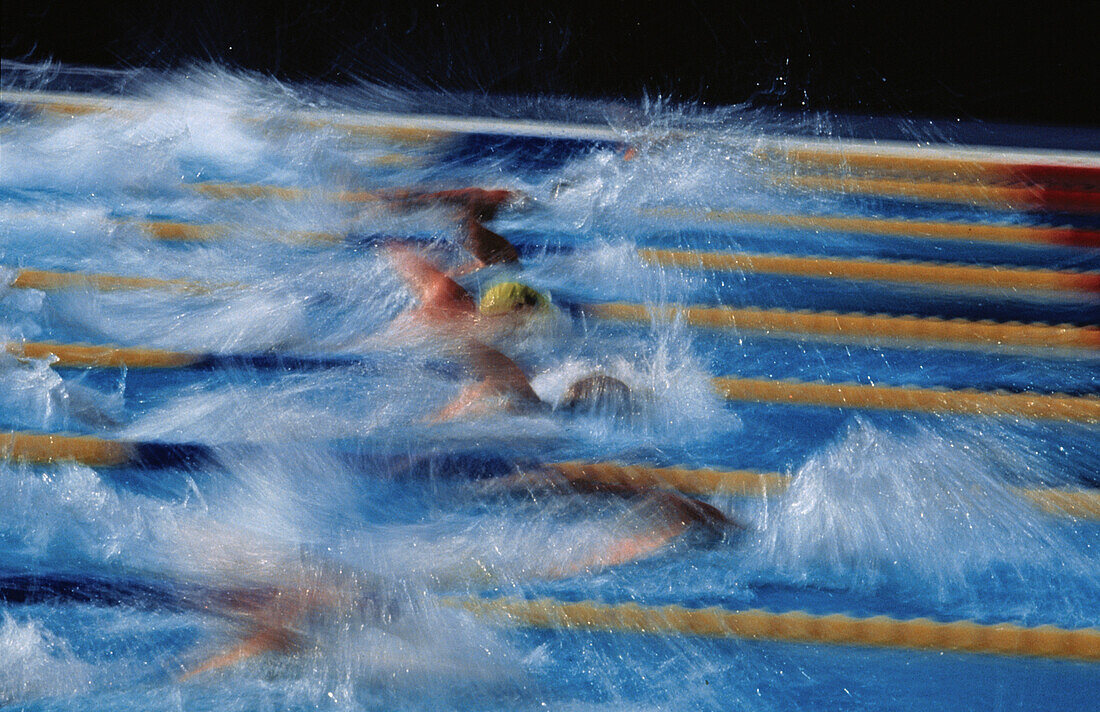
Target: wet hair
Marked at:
597, 393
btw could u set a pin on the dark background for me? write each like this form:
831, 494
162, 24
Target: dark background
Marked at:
1033, 63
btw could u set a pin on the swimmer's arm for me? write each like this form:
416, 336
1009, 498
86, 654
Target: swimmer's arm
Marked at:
488, 247
499, 372
432, 287
475, 400
264, 640
624, 550
500, 379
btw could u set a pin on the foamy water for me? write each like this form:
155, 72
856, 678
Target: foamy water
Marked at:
330, 478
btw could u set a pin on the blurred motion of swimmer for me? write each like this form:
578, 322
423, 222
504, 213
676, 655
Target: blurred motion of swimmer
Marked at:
475, 206
282, 618
292, 603
656, 518
501, 385
447, 310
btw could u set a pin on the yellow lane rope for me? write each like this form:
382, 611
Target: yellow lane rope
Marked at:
102, 355
933, 163
180, 231
45, 448
982, 276
397, 134
1043, 235
944, 230
1083, 504
1080, 503
862, 326
996, 196
48, 280
40, 448
797, 626
74, 105
1085, 409
263, 191
1082, 409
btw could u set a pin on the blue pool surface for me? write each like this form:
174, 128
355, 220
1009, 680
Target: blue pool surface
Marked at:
318, 460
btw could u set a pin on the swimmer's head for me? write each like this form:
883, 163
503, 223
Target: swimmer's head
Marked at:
508, 297
597, 393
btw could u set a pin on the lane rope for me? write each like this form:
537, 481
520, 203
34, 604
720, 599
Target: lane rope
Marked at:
1083, 409
989, 334
888, 227
102, 355
417, 127
994, 196
1073, 502
46, 448
910, 272
796, 627
1039, 406
47, 280
856, 325
938, 164
49, 448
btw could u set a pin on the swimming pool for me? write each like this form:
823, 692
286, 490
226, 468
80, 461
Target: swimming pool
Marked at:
287, 456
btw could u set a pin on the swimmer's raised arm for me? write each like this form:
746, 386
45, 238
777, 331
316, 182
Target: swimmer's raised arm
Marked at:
665, 515
435, 291
487, 247
479, 203
500, 384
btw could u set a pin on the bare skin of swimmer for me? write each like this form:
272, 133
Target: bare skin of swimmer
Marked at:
445, 308
474, 205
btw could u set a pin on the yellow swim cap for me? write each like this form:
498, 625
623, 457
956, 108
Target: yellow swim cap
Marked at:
507, 297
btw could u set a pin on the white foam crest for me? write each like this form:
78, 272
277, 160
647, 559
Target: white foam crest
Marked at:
79, 518
42, 399
880, 507
248, 320
35, 663
341, 402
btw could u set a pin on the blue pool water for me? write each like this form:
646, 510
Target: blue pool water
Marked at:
116, 580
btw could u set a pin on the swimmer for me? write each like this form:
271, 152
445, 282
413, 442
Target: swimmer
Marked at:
475, 206
501, 385
282, 619
486, 246
448, 310
477, 203
656, 518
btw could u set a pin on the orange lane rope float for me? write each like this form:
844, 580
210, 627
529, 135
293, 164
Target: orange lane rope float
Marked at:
938, 230
1079, 503
102, 355
46, 448
1070, 168
46, 280
1081, 409
690, 481
863, 326
796, 627
1003, 197
924, 273
1073, 170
